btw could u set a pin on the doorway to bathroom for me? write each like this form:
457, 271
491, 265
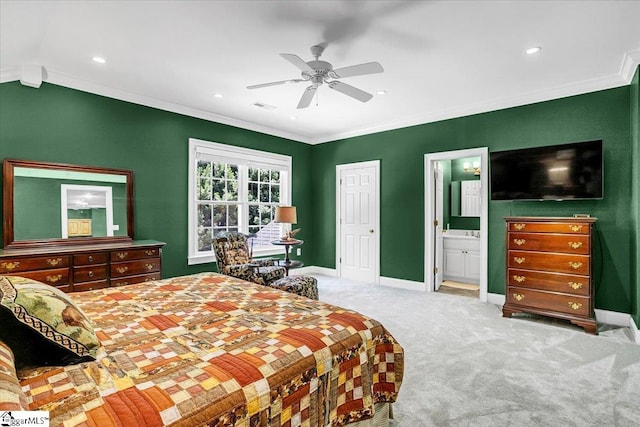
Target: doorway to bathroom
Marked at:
456, 222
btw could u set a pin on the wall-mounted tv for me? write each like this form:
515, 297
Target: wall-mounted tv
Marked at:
557, 172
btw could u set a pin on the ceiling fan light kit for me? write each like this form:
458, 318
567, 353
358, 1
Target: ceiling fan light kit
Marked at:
318, 72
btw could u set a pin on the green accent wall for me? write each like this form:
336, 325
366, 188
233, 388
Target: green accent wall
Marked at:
57, 124
635, 195
598, 115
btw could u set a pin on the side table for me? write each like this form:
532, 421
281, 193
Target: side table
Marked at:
287, 263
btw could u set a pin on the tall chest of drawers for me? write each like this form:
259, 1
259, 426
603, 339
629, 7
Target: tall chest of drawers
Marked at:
86, 267
549, 268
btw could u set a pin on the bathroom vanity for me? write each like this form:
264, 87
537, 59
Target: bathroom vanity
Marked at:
461, 256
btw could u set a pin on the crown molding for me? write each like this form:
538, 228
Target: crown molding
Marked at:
629, 64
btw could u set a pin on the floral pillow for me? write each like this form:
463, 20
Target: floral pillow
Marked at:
42, 325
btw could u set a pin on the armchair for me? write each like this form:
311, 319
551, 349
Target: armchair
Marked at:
235, 259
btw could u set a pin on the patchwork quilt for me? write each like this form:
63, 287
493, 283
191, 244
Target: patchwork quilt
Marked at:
213, 350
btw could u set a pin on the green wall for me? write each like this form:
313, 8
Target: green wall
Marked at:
57, 124
599, 115
635, 197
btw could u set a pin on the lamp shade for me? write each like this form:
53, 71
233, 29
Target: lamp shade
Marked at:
286, 214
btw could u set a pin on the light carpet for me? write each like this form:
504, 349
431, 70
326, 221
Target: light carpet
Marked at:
466, 365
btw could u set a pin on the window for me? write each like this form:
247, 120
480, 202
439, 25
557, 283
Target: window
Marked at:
234, 189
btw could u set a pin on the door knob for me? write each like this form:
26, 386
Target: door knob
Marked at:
371, 231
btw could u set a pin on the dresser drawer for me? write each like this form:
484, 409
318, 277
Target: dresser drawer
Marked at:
566, 243
123, 281
550, 227
8, 266
92, 258
54, 277
89, 286
130, 268
553, 262
569, 304
89, 273
117, 256
556, 282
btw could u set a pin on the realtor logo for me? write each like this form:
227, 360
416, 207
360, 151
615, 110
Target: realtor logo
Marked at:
24, 418
5, 419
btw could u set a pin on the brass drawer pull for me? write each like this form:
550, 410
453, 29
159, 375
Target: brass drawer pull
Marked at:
149, 266
122, 255
519, 226
575, 228
90, 274
518, 259
121, 269
575, 285
575, 245
150, 252
518, 297
575, 305
90, 258
54, 261
53, 278
518, 279
519, 242
575, 265
10, 265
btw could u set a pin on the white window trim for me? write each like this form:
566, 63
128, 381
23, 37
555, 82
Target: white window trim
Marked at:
231, 154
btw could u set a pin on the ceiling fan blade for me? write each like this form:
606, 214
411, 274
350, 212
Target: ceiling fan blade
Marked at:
359, 70
297, 61
307, 96
351, 91
281, 82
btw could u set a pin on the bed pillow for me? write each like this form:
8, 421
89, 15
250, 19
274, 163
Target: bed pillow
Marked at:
42, 325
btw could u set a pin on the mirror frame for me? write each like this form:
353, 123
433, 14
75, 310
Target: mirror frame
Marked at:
8, 241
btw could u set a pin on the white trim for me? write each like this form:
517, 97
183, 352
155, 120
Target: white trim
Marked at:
429, 160
411, 285
629, 65
496, 299
630, 62
612, 317
215, 149
634, 330
376, 165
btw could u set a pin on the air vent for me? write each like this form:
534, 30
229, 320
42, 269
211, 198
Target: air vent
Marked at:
265, 106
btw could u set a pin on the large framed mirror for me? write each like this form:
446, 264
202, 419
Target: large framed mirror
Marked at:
55, 203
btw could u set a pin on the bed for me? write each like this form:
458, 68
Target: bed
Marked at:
208, 349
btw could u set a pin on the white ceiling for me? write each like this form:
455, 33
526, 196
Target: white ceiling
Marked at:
442, 59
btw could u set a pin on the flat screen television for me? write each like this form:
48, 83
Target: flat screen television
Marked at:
557, 172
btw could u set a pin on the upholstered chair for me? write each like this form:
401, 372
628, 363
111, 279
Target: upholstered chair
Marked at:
234, 259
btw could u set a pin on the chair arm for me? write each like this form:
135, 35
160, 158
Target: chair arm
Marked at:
241, 271
264, 262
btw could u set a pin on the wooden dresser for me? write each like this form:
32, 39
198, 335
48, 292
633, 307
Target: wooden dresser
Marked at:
85, 267
549, 268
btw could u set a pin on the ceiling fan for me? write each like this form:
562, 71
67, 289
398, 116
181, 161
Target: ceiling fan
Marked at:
318, 72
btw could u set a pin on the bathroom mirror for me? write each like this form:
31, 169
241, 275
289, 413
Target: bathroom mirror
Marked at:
465, 198
55, 203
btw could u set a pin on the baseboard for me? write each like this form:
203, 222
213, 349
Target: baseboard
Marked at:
496, 299
402, 284
613, 318
635, 333
312, 269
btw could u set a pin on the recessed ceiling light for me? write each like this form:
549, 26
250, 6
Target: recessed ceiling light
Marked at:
381, 92
99, 60
533, 50
217, 95
292, 117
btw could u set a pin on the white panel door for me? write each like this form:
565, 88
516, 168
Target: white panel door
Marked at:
439, 241
471, 204
358, 216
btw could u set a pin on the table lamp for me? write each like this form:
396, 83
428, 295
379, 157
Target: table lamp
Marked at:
286, 215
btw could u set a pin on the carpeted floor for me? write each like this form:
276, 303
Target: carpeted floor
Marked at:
465, 365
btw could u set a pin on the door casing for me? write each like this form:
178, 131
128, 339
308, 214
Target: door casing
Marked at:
429, 186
